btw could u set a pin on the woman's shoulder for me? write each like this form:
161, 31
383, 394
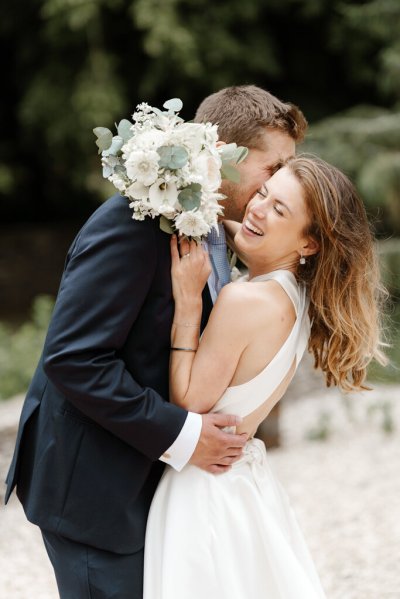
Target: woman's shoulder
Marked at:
266, 299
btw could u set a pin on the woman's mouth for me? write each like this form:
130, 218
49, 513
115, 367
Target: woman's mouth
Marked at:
251, 229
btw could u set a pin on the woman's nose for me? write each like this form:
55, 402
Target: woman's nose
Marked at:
258, 209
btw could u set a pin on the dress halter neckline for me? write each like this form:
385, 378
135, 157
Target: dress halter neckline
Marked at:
272, 275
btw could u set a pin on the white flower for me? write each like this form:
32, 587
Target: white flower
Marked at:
134, 169
143, 166
118, 182
163, 193
209, 169
167, 211
189, 135
192, 224
145, 140
137, 191
235, 274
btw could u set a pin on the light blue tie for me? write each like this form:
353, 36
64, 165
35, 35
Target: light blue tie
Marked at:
221, 274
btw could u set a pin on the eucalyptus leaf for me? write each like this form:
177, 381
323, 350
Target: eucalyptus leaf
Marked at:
124, 129
107, 171
172, 157
99, 131
190, 198
165, 225
227, 152
233, 154
230, 172
116, 145
120, 170
104, 138
174, 105
241, 153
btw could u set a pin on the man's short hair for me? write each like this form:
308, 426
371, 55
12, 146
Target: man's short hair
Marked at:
243, 112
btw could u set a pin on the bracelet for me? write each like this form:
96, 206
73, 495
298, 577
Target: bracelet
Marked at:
185, 324
182, 349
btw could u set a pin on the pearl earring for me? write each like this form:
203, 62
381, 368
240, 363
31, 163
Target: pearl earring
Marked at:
302, 259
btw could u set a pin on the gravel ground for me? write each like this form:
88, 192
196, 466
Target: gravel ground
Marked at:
345, 489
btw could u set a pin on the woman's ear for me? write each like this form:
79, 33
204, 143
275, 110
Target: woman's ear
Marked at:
311, 247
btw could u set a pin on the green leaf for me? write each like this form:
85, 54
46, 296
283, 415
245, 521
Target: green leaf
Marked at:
227, 152
230, 172
241, 154
116, 145
190, 197
165, 225
100, 131
233, 154
124, 129
120, 170
173, 105
172, 157
104, 138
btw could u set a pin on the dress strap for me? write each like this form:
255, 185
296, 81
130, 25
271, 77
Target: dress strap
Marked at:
263, 385
286, 279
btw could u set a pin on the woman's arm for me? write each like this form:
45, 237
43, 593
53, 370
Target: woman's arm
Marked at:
200, 373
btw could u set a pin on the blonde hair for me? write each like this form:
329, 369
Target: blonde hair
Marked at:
242, 112
343, 278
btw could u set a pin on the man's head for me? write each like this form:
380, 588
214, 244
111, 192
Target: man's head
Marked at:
250, 116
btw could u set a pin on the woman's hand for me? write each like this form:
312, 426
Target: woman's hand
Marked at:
190, 269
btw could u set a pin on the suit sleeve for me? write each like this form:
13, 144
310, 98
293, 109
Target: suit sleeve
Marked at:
105, 283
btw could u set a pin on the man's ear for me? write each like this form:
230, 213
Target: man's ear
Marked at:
311, 247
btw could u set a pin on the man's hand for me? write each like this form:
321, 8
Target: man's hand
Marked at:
216, 450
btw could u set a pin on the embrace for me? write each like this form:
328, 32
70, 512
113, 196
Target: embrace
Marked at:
154, 357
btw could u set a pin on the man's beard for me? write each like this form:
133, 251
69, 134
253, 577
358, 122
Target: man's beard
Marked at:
233, 205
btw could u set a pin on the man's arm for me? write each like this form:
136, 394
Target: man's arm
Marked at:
105, 284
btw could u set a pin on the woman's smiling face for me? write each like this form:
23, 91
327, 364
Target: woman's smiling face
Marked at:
272, 233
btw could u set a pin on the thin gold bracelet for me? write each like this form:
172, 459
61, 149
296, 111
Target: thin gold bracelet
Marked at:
182, 349
186, 324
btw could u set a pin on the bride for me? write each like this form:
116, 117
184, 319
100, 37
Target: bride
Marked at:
313, 282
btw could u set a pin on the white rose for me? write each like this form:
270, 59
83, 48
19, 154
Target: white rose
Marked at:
209, 168
190, 135
143, 166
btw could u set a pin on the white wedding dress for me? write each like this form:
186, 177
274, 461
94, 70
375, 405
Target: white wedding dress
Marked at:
234, 536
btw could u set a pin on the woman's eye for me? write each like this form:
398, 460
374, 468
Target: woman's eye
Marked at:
277, 210
261, 193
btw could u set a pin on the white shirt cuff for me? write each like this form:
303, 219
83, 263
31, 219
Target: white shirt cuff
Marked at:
184, 445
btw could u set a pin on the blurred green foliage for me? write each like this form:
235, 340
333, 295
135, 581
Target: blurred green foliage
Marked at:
75, 64
20, 349
364, 141
71, 65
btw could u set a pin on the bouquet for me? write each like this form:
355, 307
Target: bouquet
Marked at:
169, 168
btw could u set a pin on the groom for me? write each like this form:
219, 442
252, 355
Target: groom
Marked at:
96, 425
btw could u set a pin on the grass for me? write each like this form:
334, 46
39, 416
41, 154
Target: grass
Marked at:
20, 348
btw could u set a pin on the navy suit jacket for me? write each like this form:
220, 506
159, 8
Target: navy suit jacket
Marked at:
95, 419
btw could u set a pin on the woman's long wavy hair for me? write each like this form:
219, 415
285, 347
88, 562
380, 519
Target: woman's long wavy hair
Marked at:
343, 278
